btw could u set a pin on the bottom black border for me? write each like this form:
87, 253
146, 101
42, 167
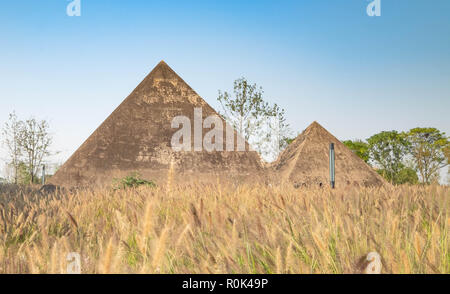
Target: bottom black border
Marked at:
223, 283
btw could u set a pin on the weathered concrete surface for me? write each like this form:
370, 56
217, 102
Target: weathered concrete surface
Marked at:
305, 163
137, 137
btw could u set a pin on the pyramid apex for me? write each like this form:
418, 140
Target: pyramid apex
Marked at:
314, 125
161, 70
162, 63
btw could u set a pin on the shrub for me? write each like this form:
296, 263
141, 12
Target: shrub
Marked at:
406, 175
133, 180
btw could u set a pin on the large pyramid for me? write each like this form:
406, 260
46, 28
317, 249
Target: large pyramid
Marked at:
136, 137
305, 162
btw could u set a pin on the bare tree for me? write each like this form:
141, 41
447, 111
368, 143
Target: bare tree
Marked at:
35, 140
11, 133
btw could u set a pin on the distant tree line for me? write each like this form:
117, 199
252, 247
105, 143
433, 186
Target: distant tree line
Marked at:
405, 157
27, 143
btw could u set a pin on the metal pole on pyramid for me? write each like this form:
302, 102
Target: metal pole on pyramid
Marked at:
332, 172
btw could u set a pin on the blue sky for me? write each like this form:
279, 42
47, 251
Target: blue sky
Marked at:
323, 60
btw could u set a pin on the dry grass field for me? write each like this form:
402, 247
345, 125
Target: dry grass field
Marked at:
224, 229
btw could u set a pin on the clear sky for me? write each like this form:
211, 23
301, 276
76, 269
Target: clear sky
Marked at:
323, 60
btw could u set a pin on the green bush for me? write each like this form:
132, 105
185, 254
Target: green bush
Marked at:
133, 180
406, 175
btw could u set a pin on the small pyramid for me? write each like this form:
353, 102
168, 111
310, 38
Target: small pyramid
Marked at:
136, 137
305, 162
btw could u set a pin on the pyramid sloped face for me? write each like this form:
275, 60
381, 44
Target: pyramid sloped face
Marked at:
305, 163
137, 136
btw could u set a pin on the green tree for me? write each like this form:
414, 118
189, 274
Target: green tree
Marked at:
11, 134
447, 155
246, 104
35, 141
359, 147
247, 111
430, 152
388, 150
24, 176
406, 175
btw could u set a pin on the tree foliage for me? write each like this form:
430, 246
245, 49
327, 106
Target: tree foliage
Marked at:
11, 134
253, 117
406, 175
427, 149
430, 151
28, 144
35, 141
359, 147
388, 150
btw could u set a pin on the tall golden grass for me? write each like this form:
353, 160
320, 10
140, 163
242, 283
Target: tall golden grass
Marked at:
226, 229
